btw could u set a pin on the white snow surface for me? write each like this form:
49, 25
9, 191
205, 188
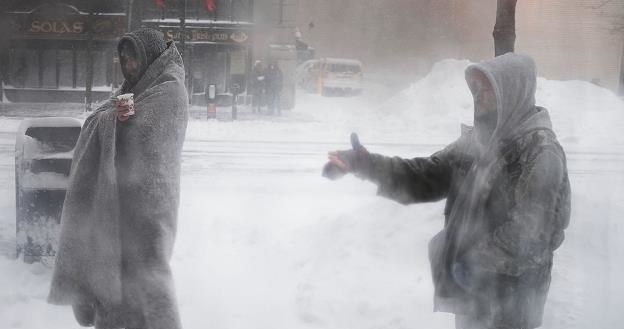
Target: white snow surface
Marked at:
265, 242
430, 111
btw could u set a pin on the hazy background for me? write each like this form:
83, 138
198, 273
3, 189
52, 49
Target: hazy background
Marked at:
571, 39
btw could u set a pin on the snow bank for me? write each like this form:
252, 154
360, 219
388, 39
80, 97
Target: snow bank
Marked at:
302, 253
265, 242
583, 114
430, 111
23, 298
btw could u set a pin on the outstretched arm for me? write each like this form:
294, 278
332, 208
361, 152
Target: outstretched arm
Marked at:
403, 180
411, 180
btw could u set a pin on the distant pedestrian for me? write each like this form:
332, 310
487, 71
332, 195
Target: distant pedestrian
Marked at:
275, 83
257, 86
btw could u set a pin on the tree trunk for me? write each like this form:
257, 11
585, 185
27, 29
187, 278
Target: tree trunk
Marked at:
505, 27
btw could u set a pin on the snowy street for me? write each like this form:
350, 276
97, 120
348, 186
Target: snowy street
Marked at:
265, 242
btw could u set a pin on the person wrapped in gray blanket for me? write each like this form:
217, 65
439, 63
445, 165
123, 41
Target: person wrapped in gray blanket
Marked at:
119, 217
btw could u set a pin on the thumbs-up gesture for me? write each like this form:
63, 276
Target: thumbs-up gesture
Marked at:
356, 160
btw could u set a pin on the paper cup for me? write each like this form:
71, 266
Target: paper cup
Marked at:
127, 99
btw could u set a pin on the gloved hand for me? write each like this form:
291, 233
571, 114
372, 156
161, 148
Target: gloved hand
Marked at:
356, 160
85, 314
461, 275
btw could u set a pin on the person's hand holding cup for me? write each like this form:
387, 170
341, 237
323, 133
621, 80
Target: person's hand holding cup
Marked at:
124, 106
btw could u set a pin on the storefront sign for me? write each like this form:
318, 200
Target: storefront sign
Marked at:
60, 27
207, 35
72, 27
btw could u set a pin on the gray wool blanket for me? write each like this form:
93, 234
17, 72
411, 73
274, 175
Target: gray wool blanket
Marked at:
119, 217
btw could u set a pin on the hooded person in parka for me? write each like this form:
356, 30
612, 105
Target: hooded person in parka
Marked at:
119, 217
507, 200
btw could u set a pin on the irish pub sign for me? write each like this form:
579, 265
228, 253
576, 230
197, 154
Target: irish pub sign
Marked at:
210, 35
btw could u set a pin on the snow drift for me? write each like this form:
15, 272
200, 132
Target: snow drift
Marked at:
264, 241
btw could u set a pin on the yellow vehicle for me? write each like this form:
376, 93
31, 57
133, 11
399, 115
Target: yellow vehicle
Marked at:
331, 76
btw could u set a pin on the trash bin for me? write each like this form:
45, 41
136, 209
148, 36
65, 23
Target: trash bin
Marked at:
43, 154
211, 99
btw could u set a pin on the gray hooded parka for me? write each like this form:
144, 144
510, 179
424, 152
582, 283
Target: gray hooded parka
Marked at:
507, 204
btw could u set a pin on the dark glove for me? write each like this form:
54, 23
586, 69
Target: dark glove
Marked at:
356, 161
85, 314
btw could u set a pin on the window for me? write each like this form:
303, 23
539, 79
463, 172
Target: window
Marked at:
48, 68
224, 9
66, 68
54, 68
24, 68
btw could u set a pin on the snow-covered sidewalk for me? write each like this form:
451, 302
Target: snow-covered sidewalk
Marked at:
265, 242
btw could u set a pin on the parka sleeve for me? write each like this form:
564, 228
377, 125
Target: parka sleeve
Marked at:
412, 180
524, 241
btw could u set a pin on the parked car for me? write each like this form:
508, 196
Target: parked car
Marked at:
331, 76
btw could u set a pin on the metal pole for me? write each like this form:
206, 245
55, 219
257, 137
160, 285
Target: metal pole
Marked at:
115, 77
1, 79
183, 52
89, 77
129, 15
281, 12
4, 48
231, 11
182, 16
234, 108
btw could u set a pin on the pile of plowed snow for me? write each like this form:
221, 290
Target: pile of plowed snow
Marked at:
431, 110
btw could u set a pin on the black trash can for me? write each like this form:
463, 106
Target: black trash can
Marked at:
43, 154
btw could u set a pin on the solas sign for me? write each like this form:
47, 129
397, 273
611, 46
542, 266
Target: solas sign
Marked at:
69, 27
59, 27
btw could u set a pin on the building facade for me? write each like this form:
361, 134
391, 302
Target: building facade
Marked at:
60, 51
66, 51
575, 39
215, 38
570, 40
